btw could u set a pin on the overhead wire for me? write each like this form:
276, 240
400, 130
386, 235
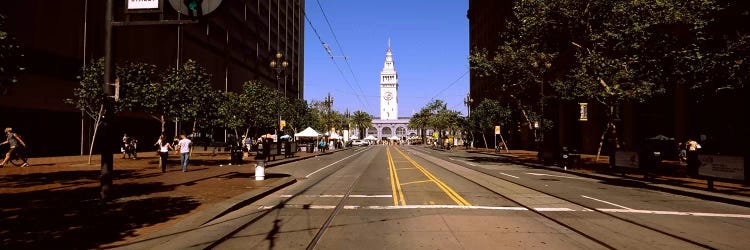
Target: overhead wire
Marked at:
346, 59
330, 54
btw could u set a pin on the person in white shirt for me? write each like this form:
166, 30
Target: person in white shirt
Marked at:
163, 146
184, 145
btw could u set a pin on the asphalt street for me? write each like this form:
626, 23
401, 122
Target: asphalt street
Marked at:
406, 197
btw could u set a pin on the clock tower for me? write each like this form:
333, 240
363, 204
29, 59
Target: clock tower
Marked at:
388, 88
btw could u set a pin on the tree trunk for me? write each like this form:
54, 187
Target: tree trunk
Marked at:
163, 122
601, 142
93, 137
484, 137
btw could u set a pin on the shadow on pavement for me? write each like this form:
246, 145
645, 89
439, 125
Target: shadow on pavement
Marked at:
73, 218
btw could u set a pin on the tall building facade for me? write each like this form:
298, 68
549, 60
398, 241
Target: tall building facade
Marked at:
235, 44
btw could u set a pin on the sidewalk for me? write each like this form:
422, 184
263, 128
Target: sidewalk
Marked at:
669, 177
55, 203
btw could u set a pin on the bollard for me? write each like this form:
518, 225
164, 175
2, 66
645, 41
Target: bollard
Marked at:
260, 169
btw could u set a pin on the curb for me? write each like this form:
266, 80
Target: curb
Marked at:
685, 191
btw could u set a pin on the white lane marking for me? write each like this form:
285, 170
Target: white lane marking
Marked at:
403, 207
308, 176
561, 176
340, 196
472, 164
510, 175
613, 210
553, 209
610, 203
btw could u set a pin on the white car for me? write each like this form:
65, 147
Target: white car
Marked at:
360, 143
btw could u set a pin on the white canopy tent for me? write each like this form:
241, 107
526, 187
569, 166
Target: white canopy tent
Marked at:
371, 137
308, 132
394, 138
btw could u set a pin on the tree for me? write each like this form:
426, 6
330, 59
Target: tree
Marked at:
189, 89
297, 115
612, 52
88, 96
488, 114
10, 59
233, 111
361, 120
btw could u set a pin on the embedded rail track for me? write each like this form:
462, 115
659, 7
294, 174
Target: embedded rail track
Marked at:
314, 242
559, 222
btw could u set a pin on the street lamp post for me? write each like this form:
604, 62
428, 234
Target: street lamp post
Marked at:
278, 65
468, 101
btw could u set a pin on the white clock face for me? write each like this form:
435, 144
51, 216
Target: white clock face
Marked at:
388, 96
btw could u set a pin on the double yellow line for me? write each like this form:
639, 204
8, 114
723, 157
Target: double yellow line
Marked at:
398, 194
397, 189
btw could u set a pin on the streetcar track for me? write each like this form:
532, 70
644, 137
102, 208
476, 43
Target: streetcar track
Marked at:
282, 204
567, 200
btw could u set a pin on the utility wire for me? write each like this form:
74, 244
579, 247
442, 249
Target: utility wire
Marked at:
451, 85
330, 54
346, 59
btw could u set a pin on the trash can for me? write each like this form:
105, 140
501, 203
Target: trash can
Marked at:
260, 163
310, 147
236, 156
570, 158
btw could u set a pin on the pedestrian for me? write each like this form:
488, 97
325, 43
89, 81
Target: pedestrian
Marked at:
692, 146
163, 150
322, 146
12, 139
176, 142
124, 145
184, 145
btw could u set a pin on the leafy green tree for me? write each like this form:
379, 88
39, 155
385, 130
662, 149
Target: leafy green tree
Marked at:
612, 52
89, 97
188, 89
10, 58
264, 105
488, 114
419, 121
297, 115
361, 120
233, 111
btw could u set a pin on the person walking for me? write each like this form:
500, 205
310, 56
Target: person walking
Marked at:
692, 146
184, 145
164, 148
12, 139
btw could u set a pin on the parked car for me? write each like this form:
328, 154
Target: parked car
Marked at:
360, 143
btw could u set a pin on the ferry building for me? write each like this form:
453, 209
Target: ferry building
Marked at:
389, 126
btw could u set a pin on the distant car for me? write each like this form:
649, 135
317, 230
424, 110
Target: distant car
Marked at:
359, 143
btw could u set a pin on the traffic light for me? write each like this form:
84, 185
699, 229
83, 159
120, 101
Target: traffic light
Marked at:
194, 8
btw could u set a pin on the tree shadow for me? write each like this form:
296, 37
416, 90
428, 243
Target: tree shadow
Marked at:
75, 219
66, 178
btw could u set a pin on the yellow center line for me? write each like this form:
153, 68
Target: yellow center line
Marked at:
448, 191
398, 194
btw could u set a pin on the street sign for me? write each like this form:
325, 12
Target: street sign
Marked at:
143, 6
497, 130
201, 8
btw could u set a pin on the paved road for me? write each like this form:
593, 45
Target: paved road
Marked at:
386, 197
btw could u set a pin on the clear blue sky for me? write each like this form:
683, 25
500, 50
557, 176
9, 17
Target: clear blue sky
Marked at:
430, 43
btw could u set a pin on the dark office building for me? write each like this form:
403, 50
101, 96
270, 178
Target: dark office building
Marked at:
235, 43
